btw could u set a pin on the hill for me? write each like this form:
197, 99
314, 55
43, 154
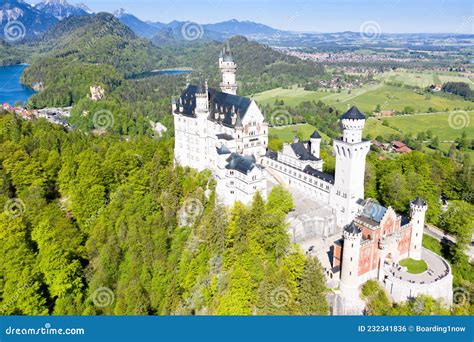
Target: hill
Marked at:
28, 22
139, 27
244, 28
10, 55
61, 9
86, 51
259, 67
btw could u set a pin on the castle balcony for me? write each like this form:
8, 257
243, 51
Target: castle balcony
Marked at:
436, 281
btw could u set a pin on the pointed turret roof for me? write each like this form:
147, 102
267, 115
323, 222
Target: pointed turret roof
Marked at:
201, 88
354, 114
353, 229
315, 135
419, 202
227, 55
223, 150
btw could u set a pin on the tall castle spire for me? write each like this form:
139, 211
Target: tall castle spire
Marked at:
351, 152
228, 70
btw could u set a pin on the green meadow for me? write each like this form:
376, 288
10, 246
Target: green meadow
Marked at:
368, 97
448, 127
292, 97
424, 79
288, 133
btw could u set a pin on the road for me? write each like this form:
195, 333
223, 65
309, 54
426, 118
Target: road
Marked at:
439, 235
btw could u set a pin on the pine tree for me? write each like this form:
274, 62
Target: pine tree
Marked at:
312, 289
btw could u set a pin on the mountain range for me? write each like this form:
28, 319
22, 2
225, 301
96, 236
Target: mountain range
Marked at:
39, 18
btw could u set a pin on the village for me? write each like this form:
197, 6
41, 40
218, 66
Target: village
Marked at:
53, 115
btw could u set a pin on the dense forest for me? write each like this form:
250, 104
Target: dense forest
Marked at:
260, 67
10, 55
101, 225
459, 88
101, 222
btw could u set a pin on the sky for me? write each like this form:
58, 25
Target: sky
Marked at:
391, 16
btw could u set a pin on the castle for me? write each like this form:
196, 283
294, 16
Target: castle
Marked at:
228, 134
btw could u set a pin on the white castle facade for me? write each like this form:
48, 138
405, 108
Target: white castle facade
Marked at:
228, 134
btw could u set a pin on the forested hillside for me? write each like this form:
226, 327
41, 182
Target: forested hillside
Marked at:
86, 51
10, 55
259, 67
100, 225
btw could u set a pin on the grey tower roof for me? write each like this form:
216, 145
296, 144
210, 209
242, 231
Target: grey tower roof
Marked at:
352, 228
227, 53
201, 88
223, 150
243, 164
302, 152
353, 114
419, 202
315, 135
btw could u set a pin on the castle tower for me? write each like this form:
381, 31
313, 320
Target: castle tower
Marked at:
202, 98
315, 141
350, 258
417, 213
350, 152
228, 70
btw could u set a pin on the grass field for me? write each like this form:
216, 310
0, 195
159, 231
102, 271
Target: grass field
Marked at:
432, 244
423, 79
291, 97
367, 98
397, 98
448, 127
414, 266
288, 133
374, 128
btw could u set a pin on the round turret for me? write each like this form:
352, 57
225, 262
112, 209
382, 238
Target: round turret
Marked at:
417, 212
353, 122
418, 205
350, 257
352, 232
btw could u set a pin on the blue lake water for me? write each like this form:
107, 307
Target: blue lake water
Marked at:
11, 90
174, 72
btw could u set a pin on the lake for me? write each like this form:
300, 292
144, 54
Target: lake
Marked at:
11, 90
174, 72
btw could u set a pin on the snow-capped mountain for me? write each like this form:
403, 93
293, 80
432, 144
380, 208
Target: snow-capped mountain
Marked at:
84, 7
19, 20
138, 26
60, 9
